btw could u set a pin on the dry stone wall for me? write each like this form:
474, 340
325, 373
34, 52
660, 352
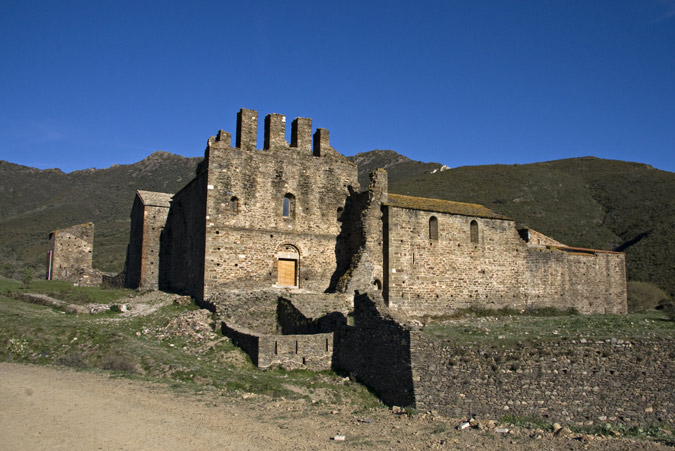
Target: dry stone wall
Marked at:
563, 381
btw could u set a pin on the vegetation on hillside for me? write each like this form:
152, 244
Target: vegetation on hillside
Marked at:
35, 202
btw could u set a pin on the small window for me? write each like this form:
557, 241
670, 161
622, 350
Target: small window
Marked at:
288, 206
474, 231
234, 205
433, 228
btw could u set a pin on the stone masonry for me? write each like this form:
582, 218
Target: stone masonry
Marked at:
70, 255
148, 218
305, 270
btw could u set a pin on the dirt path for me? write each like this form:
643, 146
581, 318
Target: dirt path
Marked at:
58, 409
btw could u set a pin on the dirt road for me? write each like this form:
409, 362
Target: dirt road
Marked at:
57, 409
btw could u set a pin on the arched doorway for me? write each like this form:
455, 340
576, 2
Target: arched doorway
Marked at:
288, 262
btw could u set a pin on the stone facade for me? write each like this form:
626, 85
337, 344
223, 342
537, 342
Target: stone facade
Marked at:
148, 218
70, 255
256, 219
441, 256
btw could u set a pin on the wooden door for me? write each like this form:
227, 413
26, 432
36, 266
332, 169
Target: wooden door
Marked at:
286, 272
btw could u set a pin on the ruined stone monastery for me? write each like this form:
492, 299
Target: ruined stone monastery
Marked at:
293, 217
306, 269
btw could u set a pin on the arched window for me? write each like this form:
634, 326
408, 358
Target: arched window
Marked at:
433, 228
474, 231
234, 205
288, 206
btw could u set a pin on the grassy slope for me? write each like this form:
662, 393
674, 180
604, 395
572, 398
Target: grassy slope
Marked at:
35, 202
586, 202
139, 347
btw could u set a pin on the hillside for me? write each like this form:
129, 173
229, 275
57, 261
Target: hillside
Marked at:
585, 202
35, 202
398, 167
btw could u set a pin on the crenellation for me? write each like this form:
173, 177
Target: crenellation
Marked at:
247, 129
275, 132
321, 142
301, 133
224, 137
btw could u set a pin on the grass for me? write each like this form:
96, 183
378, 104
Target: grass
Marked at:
65, 291
505, 328
134, 347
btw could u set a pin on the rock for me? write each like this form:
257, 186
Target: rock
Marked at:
490, 424
556, 428
649, 410
463, 426
502, 430
396, 409
339, 438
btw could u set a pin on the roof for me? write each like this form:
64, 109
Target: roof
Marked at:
155, 199
442, 206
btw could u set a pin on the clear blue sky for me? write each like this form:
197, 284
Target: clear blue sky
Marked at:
461, 82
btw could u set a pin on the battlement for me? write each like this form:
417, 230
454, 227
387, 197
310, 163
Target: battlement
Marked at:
302, 139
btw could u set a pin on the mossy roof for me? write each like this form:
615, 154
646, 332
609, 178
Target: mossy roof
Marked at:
155, 199
442, 206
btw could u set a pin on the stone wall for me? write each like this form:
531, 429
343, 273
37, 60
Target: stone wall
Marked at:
437, 275
70, 253
314, 352
247, 230
376, 351
132, 264
148, 219
182, 241
564, 381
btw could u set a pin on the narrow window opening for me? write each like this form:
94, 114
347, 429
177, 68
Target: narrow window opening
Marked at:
433, 228
276, 348
288, 206
474, 231
326, 344
234, 205
296, 346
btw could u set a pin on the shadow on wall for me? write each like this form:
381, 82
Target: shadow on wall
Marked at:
350, 239
376, 350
